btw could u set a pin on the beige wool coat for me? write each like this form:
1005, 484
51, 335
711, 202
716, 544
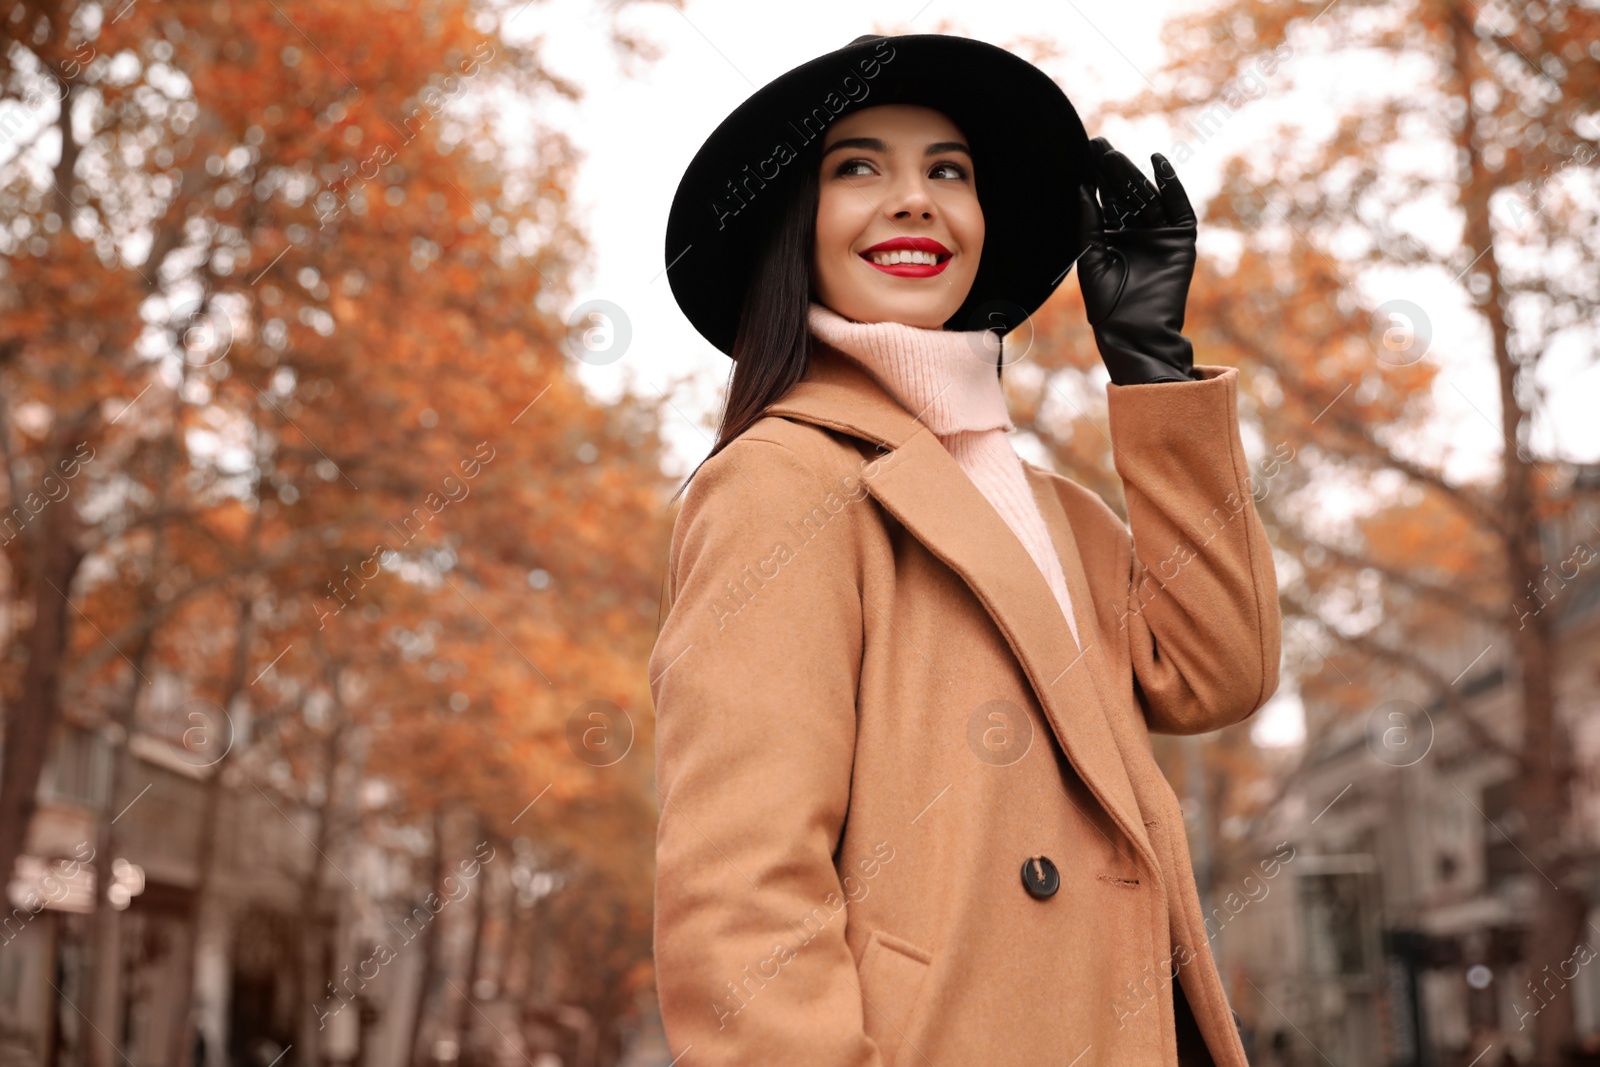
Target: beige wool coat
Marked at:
874, 728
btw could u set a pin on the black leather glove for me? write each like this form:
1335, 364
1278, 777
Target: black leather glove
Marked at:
1135, 274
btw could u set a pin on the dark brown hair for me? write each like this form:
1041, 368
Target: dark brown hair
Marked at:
773, 341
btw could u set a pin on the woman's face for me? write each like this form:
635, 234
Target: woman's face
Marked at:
893, 178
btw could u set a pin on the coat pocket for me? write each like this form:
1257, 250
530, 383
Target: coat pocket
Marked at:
892, 972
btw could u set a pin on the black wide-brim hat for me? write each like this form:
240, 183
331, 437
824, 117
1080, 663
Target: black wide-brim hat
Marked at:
1029, 150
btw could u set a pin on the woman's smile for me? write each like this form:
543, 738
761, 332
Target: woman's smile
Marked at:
909, 257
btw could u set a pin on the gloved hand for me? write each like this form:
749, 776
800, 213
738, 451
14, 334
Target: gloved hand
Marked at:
1135, 276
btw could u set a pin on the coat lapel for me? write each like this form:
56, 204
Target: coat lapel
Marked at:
923, 487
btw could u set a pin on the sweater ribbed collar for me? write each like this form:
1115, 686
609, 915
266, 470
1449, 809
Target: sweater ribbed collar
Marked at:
944, 377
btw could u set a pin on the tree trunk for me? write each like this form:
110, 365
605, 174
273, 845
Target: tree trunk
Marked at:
430, 949
53, 558
105, 944
206, 854
310, 972
1545, 773
215, 733
465, 1011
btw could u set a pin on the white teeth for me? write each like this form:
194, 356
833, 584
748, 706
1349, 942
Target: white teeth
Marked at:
903, 255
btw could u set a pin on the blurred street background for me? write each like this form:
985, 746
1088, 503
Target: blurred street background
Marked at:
342, 395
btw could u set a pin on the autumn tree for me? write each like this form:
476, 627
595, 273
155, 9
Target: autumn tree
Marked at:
286, 400
1485, 116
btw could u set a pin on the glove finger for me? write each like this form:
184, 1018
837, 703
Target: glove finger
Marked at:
1102, 270
1098, 147
1131, 198
1091, 221
1092, 224
1174, 200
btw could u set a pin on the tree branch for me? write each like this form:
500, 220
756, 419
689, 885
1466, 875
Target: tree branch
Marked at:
1446, 691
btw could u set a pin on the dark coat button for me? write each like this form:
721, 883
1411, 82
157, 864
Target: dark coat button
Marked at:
1040, 877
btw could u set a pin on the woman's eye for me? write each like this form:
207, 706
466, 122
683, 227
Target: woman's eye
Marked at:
958, 170
845, 167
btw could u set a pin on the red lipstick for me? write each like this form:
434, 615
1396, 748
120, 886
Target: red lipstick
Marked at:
914, 244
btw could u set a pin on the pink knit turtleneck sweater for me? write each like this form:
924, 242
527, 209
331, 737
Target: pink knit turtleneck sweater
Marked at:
942, 377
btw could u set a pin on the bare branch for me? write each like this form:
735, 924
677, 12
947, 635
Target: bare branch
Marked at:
1361, 438
1444, 594
1448, 695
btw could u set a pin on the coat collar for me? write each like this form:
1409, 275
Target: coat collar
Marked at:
924, 488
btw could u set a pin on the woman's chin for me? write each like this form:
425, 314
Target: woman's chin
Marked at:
875, 303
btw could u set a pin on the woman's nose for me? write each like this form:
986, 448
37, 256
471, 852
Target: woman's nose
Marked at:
907, 196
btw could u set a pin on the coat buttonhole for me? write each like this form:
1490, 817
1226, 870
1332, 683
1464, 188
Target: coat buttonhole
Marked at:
1126, 883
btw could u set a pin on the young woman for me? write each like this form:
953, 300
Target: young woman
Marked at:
906, 681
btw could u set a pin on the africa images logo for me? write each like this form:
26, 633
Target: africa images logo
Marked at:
850, 90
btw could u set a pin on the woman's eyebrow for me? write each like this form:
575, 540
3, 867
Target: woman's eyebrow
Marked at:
872, 143
876, 145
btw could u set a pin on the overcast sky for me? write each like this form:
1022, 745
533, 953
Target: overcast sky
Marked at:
639, 129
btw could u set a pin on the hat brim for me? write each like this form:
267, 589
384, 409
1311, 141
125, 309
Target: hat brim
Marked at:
1029, 148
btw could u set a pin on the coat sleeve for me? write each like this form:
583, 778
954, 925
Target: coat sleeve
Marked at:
1202, 619
754, 677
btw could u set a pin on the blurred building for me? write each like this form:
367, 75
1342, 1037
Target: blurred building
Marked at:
317, 925
240, 950
1396, 933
